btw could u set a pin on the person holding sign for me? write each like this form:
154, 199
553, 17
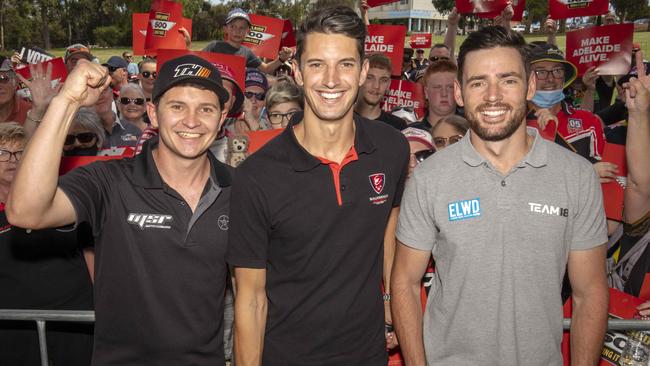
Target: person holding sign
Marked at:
237, 26
160, 220
308, 267
501, 248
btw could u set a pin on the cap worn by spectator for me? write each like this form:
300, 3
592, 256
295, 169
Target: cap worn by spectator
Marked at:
548, 52
227, 74
189, 69
237, 13
116, 62
6, 66
254, 77
419, 50
419, 135
77, 49
405, 113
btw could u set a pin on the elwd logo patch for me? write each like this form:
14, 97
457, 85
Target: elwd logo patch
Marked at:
548, 209
466, 209
191, 70
145, 221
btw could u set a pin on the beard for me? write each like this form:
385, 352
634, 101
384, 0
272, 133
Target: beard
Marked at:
488, 134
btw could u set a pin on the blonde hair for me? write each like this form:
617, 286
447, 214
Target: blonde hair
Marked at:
455, 121
12, 132
284, 92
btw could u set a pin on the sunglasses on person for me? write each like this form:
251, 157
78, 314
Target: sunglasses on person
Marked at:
136, 101
436, 58
444, 141
4, 78
83, 138
278, 118
258, 96
421, 155
149, 74
113, 68
5, 155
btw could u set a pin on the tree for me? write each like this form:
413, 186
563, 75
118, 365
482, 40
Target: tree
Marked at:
443, 6
630, 9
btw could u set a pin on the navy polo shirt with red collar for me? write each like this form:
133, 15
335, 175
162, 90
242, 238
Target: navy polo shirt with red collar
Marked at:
317, 227
160, 274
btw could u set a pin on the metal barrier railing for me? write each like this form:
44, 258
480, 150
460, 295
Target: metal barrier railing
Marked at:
43, 316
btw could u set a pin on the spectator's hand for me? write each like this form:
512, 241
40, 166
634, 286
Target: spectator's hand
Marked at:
391, 339
507, 13
550, 25
285, 54
40, 88
453, 18
16, 60
85, 83
543, 117
644, 309
637, 90
248, 122
606, 171
363, 6
186, 35
589, 78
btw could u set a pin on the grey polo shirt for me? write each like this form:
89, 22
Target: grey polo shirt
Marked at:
501, 244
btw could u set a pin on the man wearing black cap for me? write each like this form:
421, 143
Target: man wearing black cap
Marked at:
160, 220
117, 69
236, 29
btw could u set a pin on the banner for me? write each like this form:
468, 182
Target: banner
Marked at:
231, 65
264, 36
257, 139
165, 18
420, 40
609, 47
389, 40
59, 73
288, 35
480, 6
375, 3
139, 23
562, 9
518, 6
69, 163
614, 192
405, 94
34, 55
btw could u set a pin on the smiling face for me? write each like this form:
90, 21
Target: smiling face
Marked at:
132, 111
551, 69
331, 72
188, 119
494, 92
377, 82
147, 82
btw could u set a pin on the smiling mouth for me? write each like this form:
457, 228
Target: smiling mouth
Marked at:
330, 96
189, 135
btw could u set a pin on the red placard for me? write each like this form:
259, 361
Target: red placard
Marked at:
257, 139
59, 73
614, 192
518, 7
69, 163
389, 40
548, 132
288, 35
139, 32
375, 3
405, 94
264, 36
165, 18
480, 6
231, 65
420, 40
609, 47
562, 9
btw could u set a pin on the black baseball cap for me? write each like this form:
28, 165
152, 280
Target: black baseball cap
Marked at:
117, 62
189, 69
548, 52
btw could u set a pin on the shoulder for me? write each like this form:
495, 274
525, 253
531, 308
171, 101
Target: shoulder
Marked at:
381, 133
394, 121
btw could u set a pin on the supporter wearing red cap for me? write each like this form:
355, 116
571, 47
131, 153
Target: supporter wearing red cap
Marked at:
74, 53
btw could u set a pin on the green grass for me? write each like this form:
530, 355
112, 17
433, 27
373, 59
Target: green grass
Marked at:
643, 38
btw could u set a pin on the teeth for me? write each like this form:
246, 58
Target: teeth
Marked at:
331, 95
188, 135
494, 113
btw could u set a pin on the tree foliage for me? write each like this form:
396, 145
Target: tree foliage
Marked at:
630, 9
443, 6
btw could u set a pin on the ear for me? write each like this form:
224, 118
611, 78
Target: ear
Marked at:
297, 72
532, 86
365, 66
224, 115
458, 93
152, 113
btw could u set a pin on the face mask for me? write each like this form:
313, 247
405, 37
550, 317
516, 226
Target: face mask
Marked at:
90, 151
548, 98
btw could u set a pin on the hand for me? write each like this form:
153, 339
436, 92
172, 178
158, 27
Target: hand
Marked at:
85, 83
589, 78
637, 90
543, 117
285, 54
453, 18
391, 338
16, 60
550, 25
606, 171
644, 309
507, 13
363, 5
40, 88
186, 35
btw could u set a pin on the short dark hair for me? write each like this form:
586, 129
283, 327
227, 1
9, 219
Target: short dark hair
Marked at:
380, 61
439, 45
493, 37
332, 20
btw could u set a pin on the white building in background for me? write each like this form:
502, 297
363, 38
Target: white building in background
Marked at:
417, 15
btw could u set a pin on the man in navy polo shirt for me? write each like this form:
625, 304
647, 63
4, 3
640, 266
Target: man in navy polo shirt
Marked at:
309, 213
160, 220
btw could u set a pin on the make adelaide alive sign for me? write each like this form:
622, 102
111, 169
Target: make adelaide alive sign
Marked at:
405, 94
389, 40
607, 47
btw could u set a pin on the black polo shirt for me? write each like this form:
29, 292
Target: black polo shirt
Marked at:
322, 247
160, 271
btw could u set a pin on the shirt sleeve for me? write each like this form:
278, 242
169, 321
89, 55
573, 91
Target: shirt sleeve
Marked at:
416, 225
87, 190
248, 236
589, 224
404, 164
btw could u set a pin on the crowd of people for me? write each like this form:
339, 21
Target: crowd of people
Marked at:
315, 249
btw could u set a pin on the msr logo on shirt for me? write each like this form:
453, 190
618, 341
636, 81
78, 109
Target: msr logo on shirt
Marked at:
548, 209
466, 209
145, 221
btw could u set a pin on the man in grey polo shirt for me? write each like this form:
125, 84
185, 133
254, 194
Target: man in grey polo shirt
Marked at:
503, 212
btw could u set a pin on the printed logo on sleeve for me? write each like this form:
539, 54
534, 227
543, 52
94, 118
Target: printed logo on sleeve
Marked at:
466, 209
146, 221
575, 124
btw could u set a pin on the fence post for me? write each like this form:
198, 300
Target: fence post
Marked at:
42, 341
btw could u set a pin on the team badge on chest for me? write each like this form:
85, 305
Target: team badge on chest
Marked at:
377, 183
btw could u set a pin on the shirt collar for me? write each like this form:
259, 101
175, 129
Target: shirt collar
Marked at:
537, 156
301, 160
146, 175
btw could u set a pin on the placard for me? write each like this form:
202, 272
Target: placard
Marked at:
165, 18
59, 73
420, 40
264, 36
518, 7
33, 55
480, 6
405, 93
288, 35
614, 192
389, 40
139, 23
376, 3
562, 9
609, 47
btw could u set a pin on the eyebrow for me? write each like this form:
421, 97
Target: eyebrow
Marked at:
184, 103
339, 61
500, 76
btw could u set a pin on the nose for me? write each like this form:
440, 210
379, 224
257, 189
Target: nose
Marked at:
331, 78
443, 91
190, 119
493, 92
